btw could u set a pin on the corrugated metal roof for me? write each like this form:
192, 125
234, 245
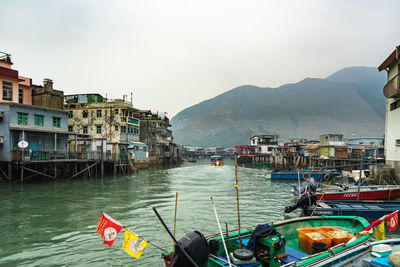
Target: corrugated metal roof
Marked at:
312, 147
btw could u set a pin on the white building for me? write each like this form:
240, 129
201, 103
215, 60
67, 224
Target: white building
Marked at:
392, 125
266, 144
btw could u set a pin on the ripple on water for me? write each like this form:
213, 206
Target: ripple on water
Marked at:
47, 224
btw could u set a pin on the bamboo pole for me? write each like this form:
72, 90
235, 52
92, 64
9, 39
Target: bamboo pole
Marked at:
220, 231
237, 197
321, 197
176, 207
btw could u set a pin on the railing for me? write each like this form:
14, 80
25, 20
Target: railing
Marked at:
392, 88
19, 155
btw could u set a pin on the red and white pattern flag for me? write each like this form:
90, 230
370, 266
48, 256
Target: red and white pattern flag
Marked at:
108, 228
392, 221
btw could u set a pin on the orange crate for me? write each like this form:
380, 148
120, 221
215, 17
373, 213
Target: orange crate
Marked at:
336, 240
305, 240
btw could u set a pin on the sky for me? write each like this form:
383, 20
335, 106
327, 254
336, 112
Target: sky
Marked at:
172, 54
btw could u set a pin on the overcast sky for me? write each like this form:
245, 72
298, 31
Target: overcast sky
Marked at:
172, 54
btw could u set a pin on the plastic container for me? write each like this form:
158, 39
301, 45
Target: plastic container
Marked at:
382, 249
336, 240
307, 236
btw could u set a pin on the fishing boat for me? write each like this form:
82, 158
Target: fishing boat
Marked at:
368, 254
363, 208
280, 245
217, 160
302, 174
375, 192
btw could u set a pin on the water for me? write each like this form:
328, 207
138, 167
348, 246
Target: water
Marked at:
54, 223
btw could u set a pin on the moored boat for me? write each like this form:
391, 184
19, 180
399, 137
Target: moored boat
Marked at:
217, 160
374, 192
279, 245
302, 174
365, 255
363, 208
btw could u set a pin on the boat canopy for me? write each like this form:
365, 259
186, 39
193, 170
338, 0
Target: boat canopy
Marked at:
215, 157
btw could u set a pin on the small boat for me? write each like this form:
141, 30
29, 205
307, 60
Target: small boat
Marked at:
368, 254
302, 174
217, 160
375, 192
363, 208
281, 244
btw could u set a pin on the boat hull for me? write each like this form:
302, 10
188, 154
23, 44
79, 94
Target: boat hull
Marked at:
288, 175
366, 193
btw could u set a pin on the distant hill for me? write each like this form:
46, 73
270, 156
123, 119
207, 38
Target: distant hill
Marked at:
349, 101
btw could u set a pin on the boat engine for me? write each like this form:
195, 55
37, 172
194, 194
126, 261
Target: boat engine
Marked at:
308, 199
267, 245
195, 244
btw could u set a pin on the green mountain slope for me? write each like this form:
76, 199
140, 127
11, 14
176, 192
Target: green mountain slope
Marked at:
349, 101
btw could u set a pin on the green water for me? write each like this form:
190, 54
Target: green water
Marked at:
54, 223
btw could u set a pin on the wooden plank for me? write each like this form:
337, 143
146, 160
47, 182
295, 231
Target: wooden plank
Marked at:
76, 174
37, 172
323, 205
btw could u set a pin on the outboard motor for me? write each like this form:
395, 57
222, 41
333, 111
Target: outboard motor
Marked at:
195, 244
308, 199
266, 244
309, 185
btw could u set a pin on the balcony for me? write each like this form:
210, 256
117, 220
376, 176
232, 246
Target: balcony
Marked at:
392, 88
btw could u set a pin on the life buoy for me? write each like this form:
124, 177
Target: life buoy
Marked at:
326, 177
304, 176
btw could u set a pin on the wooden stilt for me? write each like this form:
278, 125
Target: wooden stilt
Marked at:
22, 173
37, 172
10, 171
76, 174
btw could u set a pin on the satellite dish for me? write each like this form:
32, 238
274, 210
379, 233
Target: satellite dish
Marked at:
22, 144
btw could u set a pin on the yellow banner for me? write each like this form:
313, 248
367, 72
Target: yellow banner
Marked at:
380, 231
131, 246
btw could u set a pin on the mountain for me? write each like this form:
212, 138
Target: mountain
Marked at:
349, 101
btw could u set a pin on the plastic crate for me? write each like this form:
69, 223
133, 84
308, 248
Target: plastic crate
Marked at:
305, 241
336, 240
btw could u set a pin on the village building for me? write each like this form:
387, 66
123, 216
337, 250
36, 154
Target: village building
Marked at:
266, 144
311, 150
43, 130
392, 123
332, 146
15, 88
367, 147
105, 120
46, 96
155, 133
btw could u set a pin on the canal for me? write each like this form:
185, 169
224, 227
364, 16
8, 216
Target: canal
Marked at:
54, 223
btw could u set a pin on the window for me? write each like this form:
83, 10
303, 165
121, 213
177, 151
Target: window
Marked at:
116, 111
395, 105
99, 113
98, 129
70, 114
7, 90
135, 130
85, 130
70, 128
38, 120
85, 113
123, 129
116, 127
22, 118
123, 119
57, 122
398, 142
20, 96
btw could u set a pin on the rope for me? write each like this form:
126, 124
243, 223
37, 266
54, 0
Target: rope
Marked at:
321, 198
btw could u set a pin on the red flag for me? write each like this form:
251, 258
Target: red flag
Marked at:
392, 221
108, 228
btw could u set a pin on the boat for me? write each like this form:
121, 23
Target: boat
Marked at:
368, 254
279, 245
302, 174
363, 208
373, 192
217, 160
